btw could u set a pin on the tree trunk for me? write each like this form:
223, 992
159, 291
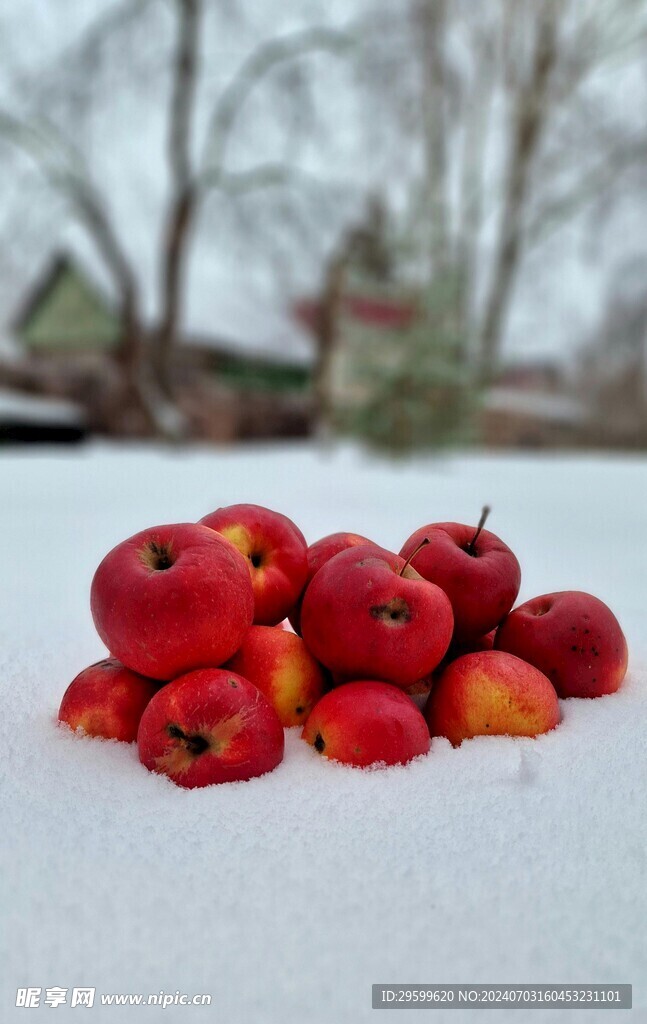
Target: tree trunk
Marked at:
530, 117
431, 22
184, 196
174, 264
132, 402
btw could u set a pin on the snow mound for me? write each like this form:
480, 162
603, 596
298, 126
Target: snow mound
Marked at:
285, 898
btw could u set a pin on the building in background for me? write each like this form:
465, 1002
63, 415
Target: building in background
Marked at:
66, 333
388, 365
475, 173
64, 314
370, 322
533, 404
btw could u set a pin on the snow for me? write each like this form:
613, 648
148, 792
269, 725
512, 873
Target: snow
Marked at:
285, 898
35, 409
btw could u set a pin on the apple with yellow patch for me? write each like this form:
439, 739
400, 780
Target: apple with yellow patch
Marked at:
210, 726
278, 662
276, 554
366, 723
107, 700
490, 693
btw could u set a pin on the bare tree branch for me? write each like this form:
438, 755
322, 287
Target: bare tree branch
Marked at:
75, 68
258, 65
28, 138
116, 18
594, 185
184, 198
477, 119
267, 175
66, 89
531, 115
431, 22
185, 73
63, 168
188, 187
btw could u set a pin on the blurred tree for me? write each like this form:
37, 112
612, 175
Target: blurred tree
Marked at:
365, 249
421, 399
498, 107
392, 358
34, 124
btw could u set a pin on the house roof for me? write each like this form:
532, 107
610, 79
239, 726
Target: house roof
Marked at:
253, 324
250, 323
58, 265
65, 308
376, 311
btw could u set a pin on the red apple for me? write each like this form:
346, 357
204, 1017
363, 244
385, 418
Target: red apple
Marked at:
491, 694
280, 665
318, 554
107, 700
477, 571
210, 726
573, 638
361, 618
364, 723
171, 599
275, 550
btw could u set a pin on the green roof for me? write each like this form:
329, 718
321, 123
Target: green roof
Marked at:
65, 311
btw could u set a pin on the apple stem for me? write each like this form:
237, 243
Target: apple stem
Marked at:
484, 514
413, 554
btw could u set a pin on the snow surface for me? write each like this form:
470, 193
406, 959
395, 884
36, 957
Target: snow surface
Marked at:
285, 898
22, 408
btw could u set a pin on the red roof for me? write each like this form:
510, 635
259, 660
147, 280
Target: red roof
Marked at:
388, 314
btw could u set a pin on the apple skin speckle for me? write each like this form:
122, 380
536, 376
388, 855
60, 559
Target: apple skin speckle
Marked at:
578, 644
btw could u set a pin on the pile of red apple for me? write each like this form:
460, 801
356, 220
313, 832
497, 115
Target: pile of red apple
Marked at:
204, 675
